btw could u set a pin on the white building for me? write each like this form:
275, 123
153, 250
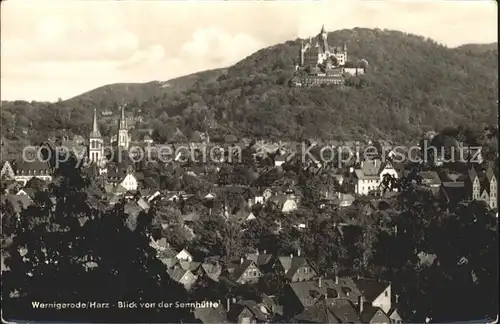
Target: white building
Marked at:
129, 182
370, 175
96, 143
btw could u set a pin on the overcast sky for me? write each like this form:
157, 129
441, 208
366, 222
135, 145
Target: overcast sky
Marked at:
52, 49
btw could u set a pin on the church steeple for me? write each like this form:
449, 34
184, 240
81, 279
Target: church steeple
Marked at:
95, 129
96, 147
123, 136
123, 121
323, 38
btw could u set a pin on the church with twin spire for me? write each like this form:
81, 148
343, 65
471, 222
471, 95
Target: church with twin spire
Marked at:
96, 152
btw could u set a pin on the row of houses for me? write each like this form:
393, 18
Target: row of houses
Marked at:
306, 298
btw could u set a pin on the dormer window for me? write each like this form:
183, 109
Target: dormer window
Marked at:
314, 293
332, 293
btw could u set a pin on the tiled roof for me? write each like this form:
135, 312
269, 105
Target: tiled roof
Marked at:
292, 264
368, 312
310, 292
330, 311
169, 262
239, 268
345, 311
143, 204
259, 311
490, 174
209, 315
19, 202
454, 191
212, 270
371, 167
316, 314
360, 175
36, 167
371, 288
260, 259
453, 184
177, 273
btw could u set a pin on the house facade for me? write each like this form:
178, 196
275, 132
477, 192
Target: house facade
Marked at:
370, 174
246, 271
375, 292
24, 171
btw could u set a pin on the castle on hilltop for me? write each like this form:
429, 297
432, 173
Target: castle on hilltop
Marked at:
320, 63
318, 51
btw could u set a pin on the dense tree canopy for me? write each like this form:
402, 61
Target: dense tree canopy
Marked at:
73, 252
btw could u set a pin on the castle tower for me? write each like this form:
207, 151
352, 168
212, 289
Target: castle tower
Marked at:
96, 147
122, 139
345, 52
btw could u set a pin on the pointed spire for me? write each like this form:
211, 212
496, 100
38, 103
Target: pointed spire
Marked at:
94, 125
323, 29
95, 129
123, 121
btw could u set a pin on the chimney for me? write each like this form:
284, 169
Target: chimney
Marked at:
298, 252
241, 260
336, 280
361, 302
265, 251
319, 282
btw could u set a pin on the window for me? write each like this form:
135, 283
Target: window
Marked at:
386, 293
245, 320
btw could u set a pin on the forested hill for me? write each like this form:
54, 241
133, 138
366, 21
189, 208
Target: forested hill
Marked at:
140, 92
412, 84
479, 48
